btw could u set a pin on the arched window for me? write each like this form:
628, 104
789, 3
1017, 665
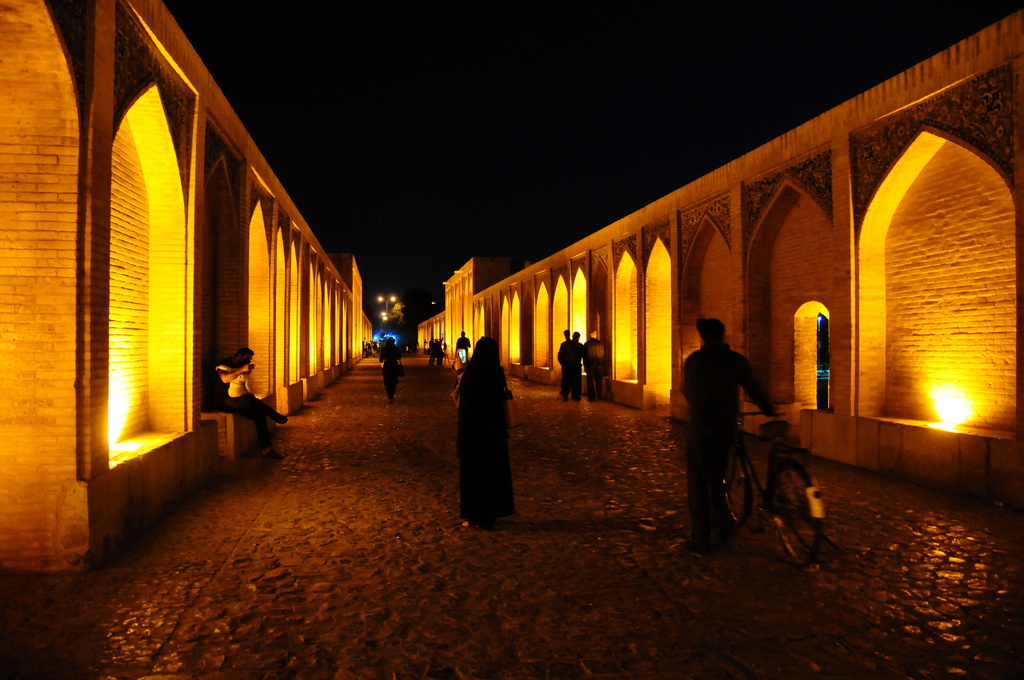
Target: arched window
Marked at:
259, 310
658, 322
542, 329
579, 305
148, 341
937, 282
624, 343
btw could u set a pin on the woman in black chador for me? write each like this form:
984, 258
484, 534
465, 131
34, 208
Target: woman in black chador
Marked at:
485, 474
391, 357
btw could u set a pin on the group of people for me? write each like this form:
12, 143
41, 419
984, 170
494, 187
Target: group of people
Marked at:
575, 357
712, 376
435, 351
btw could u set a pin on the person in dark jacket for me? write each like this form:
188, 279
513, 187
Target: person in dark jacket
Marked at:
712, 377
391, 357
485, 472
593, 362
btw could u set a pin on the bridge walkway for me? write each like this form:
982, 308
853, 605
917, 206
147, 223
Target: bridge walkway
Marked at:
347, 560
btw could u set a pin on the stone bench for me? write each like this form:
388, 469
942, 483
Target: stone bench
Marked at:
236, 434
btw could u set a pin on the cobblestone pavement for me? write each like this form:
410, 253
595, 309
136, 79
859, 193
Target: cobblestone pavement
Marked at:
346, 560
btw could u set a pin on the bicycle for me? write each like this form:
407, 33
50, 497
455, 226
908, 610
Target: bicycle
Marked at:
789, 496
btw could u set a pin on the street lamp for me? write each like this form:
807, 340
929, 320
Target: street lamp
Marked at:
384, 310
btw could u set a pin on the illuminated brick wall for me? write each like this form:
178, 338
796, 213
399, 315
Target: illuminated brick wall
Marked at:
39, 137
542, 337
950, 279
791, 263
658, 321
624, 344
129, 291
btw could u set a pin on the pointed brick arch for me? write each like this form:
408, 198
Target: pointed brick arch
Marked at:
709, 287
790, 261
149, 345
260, 303
542, 328
941, 228
624, 344
658, 322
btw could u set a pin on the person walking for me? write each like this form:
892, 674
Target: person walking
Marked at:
391, 358
712, 377
235, 372
593, 362
485, 472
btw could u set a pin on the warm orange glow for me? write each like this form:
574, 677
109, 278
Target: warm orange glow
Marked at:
952, 405
805, 353
624, 343
579, 305
294, 321
259, 302
542, 330
147, 339
658, 322
514, 327
559, 312
938, 290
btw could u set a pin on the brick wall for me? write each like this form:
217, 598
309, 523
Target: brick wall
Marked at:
129, 291
950, 275
38, 224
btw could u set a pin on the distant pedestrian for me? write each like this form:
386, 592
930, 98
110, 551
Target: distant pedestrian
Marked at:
712, 377
485, 472
563, 353
463, 343
593, 362
391, 357
235, 371
570, 357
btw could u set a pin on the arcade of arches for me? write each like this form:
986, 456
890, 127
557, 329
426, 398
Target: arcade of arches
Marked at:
866, 264
145, 238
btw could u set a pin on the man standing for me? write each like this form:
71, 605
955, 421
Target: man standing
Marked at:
570, 356
712, 377
593, 362
463, 343
564, 351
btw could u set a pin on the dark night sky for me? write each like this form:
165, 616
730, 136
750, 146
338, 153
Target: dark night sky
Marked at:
417, 137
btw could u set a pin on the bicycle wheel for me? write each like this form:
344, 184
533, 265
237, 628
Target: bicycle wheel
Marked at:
738, 486
797, 523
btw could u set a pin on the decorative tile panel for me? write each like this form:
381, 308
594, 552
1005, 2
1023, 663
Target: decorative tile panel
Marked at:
978, 111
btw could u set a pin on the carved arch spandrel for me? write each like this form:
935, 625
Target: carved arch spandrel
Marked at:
977, 112
812, 175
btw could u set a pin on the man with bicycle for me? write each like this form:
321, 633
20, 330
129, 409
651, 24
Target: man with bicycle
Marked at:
712, 377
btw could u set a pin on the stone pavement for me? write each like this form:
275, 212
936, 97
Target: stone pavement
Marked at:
346, 560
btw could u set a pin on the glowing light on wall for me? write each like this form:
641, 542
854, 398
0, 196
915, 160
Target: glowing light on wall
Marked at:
952, 405
542, 335
294, 321
658, 320
579, 305
624, 343
514, 330
148, 342
559, 312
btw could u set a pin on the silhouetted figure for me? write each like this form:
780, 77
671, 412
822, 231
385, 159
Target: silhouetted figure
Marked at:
485, 473
593, 362
235, 372
463, 343
712, 377
563, 352
391, 357
570, 356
